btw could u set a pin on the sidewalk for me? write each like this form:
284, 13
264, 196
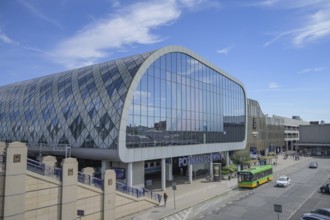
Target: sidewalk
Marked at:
198, 191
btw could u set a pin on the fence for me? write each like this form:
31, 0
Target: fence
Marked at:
138, 192
89, 180
42, 169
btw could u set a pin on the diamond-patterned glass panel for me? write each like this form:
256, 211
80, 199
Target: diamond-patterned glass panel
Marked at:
84, 112
77, 126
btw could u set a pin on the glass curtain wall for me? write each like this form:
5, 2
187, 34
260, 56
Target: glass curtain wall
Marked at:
181, 101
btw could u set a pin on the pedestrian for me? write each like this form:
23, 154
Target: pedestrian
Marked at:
165, 198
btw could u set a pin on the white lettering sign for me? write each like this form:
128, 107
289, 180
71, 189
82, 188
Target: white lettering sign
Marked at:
196, 159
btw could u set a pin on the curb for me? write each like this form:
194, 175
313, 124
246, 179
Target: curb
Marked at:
200, 202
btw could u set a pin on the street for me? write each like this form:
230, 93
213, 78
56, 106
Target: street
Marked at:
300, 197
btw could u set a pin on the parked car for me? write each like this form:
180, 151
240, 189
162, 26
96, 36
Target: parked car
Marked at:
313, 164
313, 216
322, 211
325, 188
283, 181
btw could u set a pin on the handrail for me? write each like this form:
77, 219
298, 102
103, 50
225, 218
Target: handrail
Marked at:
90, 180
142, 192
42, 169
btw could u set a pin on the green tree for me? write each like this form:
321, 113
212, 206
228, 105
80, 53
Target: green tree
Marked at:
241, 157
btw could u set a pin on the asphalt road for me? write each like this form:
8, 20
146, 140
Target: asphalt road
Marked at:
300, 197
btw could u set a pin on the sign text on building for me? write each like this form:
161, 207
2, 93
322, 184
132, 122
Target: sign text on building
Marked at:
195, 159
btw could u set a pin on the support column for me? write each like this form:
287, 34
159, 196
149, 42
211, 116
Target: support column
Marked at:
2, 178
169, 175
163, 174
286, 146
211, 166
190, 168
129, 181
109, 195
227, 158
105, 165
69, 188
15, 177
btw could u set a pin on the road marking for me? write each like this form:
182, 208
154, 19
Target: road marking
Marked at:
201, 217
294, 211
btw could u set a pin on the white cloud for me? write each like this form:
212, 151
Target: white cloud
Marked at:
224, 51
4, 38
199, 4
315, 20
273, 85
308, 70
39, 14
318, 27
130, 25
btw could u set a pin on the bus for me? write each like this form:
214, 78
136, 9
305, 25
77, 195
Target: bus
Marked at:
253, 177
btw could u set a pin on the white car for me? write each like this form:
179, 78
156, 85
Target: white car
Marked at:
283, 181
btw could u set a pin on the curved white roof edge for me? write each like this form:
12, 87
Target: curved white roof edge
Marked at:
139, 154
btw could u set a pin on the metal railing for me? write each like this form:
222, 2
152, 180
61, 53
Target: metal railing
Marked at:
42, 169
40, 147
89, 180
142, 192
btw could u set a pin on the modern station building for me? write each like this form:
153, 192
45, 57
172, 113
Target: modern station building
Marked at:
165, 109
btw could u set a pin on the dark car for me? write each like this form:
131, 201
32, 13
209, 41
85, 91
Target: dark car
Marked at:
322, 211
325, 188
313, 164
313, 216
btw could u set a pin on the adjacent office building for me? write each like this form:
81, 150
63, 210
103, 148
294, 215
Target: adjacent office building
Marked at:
314, 139
271, 134
169, 105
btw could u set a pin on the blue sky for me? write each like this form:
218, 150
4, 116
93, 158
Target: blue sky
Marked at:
279, 49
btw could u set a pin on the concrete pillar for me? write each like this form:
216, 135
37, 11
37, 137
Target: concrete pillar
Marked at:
89, 171
2, 178
169, 174
211, 166
15, 177
49, 161
286, 146
163, 179
109, 195
105, 165
190, 168
129, 181
227, 158
69, 188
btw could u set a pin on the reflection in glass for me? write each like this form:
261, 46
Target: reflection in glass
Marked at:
179, 100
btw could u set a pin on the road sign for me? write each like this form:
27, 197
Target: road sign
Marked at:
174, 185
277, 208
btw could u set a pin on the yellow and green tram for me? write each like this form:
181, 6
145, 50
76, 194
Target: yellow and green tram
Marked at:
253, 177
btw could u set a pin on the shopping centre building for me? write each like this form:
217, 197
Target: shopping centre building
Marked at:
164, 109
315, 140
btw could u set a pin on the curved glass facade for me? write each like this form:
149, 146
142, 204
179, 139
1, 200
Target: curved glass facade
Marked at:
166, 97
81, 108
181, 101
